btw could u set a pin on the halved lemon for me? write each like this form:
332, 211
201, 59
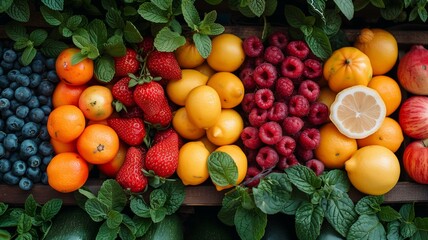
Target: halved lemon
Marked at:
358, 111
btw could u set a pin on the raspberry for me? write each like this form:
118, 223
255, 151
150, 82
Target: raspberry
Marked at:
310, 138
316, 165
264, 98
292, 67
285, 146
273, 55
304, 154
278, 39
292, 125
251, 155
278, 112
249, 62
265, 75
246, 76
298, 106
257, 117
298, 49
250, 137
253, 46
251, 177
284, 87
248, 103
312, 68
286, 162
270, 132
318, 113
267, 157
309, 89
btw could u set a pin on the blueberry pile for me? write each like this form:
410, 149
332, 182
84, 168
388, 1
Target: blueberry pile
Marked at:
282, 115
25, 104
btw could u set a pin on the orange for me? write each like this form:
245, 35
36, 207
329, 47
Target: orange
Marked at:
227, 129
60, 147
380, 46
227, 53
188, 55
184, 127
205, 68
203, 106
229, 87
347, 67
98, 144
208, 145
67, 172
334, 148
326, 96
96, 102
177, 90
388, 135
65, 94
193, 163
389, 90
71, 72
111, 168
66, 123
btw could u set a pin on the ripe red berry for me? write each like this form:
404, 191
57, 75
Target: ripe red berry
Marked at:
264, 98
292, 67
284, 88
292, 125
318, 113
312, 68
257, 116
316, 165
250, 138
286, 162
248, 103
265, 75
285, 146
270, 132
298, 106
251, 177
273, 55
310, 138
267, 157
253, 46
309, 89
246, 76
278, 112
298, 48
278, 39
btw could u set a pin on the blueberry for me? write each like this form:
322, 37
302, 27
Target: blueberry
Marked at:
8, 93
40, 56
30, 130
6, 113
9, 56
34, 161
13, 74
2, 133
44, 179
5, 165
4, 82
23, 80
35, 80
4, 104
28, 148
22, 111
13, 85
17, 65
44, 134
46, 160
10, 142
46, 88
34, 174
2, 151
6, 65
19, 167
14, 104
23, 94
38, 66
46, 148
25, 184
50, 63
13, 123
26, 70
33, 102
36, 115
14, 156
52, 76
46, 109
10, 179
43, 100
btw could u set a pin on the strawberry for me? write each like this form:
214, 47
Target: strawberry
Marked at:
126, 64
146, 45
162, 134
150, 97
130, 175
122, 93
162, 157
132, 112
130, 130
164, 65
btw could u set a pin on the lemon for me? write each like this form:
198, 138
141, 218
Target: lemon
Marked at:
240, 159
326, 96
227, 129
358, 111
193, 163
203, 106
184, 127
229, 88
205, 69
373, 169
208, 144
177, 90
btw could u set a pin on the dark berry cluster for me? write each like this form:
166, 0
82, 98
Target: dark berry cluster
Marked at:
281, 79
25, 104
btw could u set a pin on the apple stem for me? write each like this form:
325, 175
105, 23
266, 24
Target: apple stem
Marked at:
425, 142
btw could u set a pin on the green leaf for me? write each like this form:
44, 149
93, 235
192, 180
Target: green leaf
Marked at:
247, 200
270, 7
393, 231
316, 8
25, 236
337, 179
158, 214
378, 3
157, 198
28, 55
107, 233
129, 11
125, 232
85, 192
388, 214
175, 26
407, 212
291, 206
24, 223
3, 207
163, 4
308, 220
5, 4
211, 29
303, 178
333, 23
413, 14
38, 36
369, 205
114, 18
319, 43
339, 212
5, 234
294, 16
73, 22
16, 31
114, 219
209, 18
19, 11
168, 41
407, 229
213, 2
257, 7
50, 209
104, 68
54, 4
392, 10
360, 4
139, 207
223, 170
11, 218
346, 7
422, 226
175, 194
108, 4
152, 13
22, 43
142, 225
97, 32
423, 14
230, 203
250, 224
273, 193
115, 46
81, 41
366, 227
96, 209
30, 206
52, 17
131, 33
190, 14
203, 44
112, 195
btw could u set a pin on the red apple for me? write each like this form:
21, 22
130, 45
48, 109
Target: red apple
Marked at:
415, 161
413, 117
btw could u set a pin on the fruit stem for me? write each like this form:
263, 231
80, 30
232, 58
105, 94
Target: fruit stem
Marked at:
425, 142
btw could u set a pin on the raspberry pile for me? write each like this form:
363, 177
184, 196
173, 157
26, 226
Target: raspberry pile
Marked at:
282, 116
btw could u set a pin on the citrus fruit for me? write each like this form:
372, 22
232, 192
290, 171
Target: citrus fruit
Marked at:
193, 163
67, 172
96, 102
229, 88
347, 67
227, 53
208, 144
358, 111
334, 148
73, 73
380, 46
65, 94
60, 147
178, 90
66, 123
111, 168
98, 144
205, 69
240, 159
184, 127
227, 129
373, 169
203, 106
188, 55
326, 96
388, 135
389, 90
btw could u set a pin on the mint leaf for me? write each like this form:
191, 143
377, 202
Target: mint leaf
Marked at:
378, 3
54, 4
5, 234
294, 16
319, 43
16, 31
114, 219
346, 7
369, 205
290, 206
22, 43
24, 224
337, 179
112, 195
97, 32
19, 11
152, 13
339, 212
139, 207
157, 198
81, 41
108, 4
167, 40
126, 233
52, 48
96, 209
270, 7
104, 68
407, 229
175, 194
190, 14
223, 170
272, 193
129, 11
392, 11
366, 227
407, 212
11, 218
203, 44
74, 22
333, 21
38, 36
257, 7
303, 178
175, 26
86, 193
52, 17
388, 214
28, 55
30, 206
162, 4
3, 208
230, 203
158, 214
317, 9
131, 33
247, 200
50, 209
107, 233
142, 225
308, 220
422, 226
114, 18
213, 2
250, 224
5, 4
393, 231
115, 46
